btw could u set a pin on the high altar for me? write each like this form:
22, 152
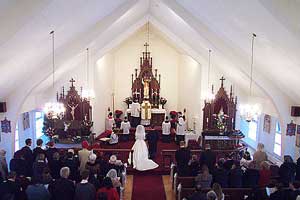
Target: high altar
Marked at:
219, 120
145, 90
77, 120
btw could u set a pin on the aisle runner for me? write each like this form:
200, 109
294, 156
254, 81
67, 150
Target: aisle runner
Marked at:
148, 187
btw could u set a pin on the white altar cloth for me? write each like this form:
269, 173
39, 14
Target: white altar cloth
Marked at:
190, 135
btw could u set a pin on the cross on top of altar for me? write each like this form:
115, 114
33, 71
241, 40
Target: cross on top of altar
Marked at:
72, 81
146, 45
222, 79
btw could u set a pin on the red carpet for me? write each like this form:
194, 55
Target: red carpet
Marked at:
148, 187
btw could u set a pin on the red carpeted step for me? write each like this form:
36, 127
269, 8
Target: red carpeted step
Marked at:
148, 187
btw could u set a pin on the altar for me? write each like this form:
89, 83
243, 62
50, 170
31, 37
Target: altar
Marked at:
146, 106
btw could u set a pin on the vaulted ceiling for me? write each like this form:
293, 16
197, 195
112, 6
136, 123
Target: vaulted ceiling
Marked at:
193, 25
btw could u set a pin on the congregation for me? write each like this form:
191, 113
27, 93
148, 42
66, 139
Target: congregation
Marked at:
241, 171
60, 174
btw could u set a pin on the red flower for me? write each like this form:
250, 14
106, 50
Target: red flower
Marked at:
173, 113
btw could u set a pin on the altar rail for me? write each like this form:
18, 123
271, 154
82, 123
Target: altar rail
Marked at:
169, 155
122, 154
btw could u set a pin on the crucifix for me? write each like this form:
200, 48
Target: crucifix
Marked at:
222, 80
146, 45
72, 82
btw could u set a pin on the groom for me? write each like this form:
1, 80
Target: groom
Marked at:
152, 138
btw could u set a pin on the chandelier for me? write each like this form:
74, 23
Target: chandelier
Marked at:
210, 96
87, 93
54, 109
250, 111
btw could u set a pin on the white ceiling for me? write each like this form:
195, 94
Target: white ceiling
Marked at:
193, 25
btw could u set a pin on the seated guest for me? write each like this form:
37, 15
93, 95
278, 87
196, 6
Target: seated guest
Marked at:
166, 130
287, 171
46, 177
251, 176
235, 175
72, 163
125, 126
259, 156
208, 158
113, 163
211, 195
17, 164
9, 189
183, 156
38, 167
94, 169
50, 151
28, 157
278, 193
218, 190
84, 189
198, 194
220, 175
228, 162
55, 165
3, 164
204, 178
194, 166
37, 191
108, 189
62, 188
180, 131
264, 174
38, 149
83, 155
114, 139
112, 174
246, 159
298, 170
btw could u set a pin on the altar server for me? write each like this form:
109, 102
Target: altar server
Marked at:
166, 128
180, 132
125, 126
135, 113
109, 122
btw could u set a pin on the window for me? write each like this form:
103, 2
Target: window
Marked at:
39, 123
249, 129
277, 145
17, 144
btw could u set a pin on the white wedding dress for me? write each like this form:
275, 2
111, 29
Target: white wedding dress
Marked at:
141, 161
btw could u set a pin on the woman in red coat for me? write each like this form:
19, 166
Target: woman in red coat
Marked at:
108, 190
264, 174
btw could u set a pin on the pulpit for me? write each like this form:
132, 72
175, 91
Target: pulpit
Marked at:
219, 120
145, 90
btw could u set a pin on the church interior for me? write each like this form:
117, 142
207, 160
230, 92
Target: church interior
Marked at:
149, 99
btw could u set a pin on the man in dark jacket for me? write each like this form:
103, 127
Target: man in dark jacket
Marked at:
208, 158
236, 176
9, 189
17, 163
183, 156
220, 175
62, 188
84, 189
38, 149
28, 156
152, 138
50, 151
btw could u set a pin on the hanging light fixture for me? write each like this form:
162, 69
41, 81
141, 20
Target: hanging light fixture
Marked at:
210, 93
54, 109
250, 111
88, 93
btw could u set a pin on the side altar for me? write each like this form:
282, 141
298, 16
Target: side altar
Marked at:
77, 120
219, 117
146, 106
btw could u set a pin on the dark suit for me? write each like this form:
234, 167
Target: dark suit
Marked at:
49, 153
37, 151
208, 158
152, 138
62, 189
28, 157
183, 156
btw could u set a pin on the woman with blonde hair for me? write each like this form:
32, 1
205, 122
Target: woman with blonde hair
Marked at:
218, 190
259, 156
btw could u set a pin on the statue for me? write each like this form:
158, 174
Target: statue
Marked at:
73, 110
146, 88
66, 125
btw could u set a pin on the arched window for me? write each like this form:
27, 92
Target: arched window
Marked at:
277, 145
249, 129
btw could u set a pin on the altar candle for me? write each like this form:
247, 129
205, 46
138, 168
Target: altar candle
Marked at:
207, 120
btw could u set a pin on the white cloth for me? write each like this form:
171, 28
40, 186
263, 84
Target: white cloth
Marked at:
180, 127
126, 127
140, 160
135, 109
109, 123
166, 127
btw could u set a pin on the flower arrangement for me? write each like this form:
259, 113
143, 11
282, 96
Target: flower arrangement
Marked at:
163, 101
118, 112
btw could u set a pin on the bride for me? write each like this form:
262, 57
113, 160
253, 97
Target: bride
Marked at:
141, 161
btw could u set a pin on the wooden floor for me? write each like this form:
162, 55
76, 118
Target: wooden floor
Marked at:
167, 185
